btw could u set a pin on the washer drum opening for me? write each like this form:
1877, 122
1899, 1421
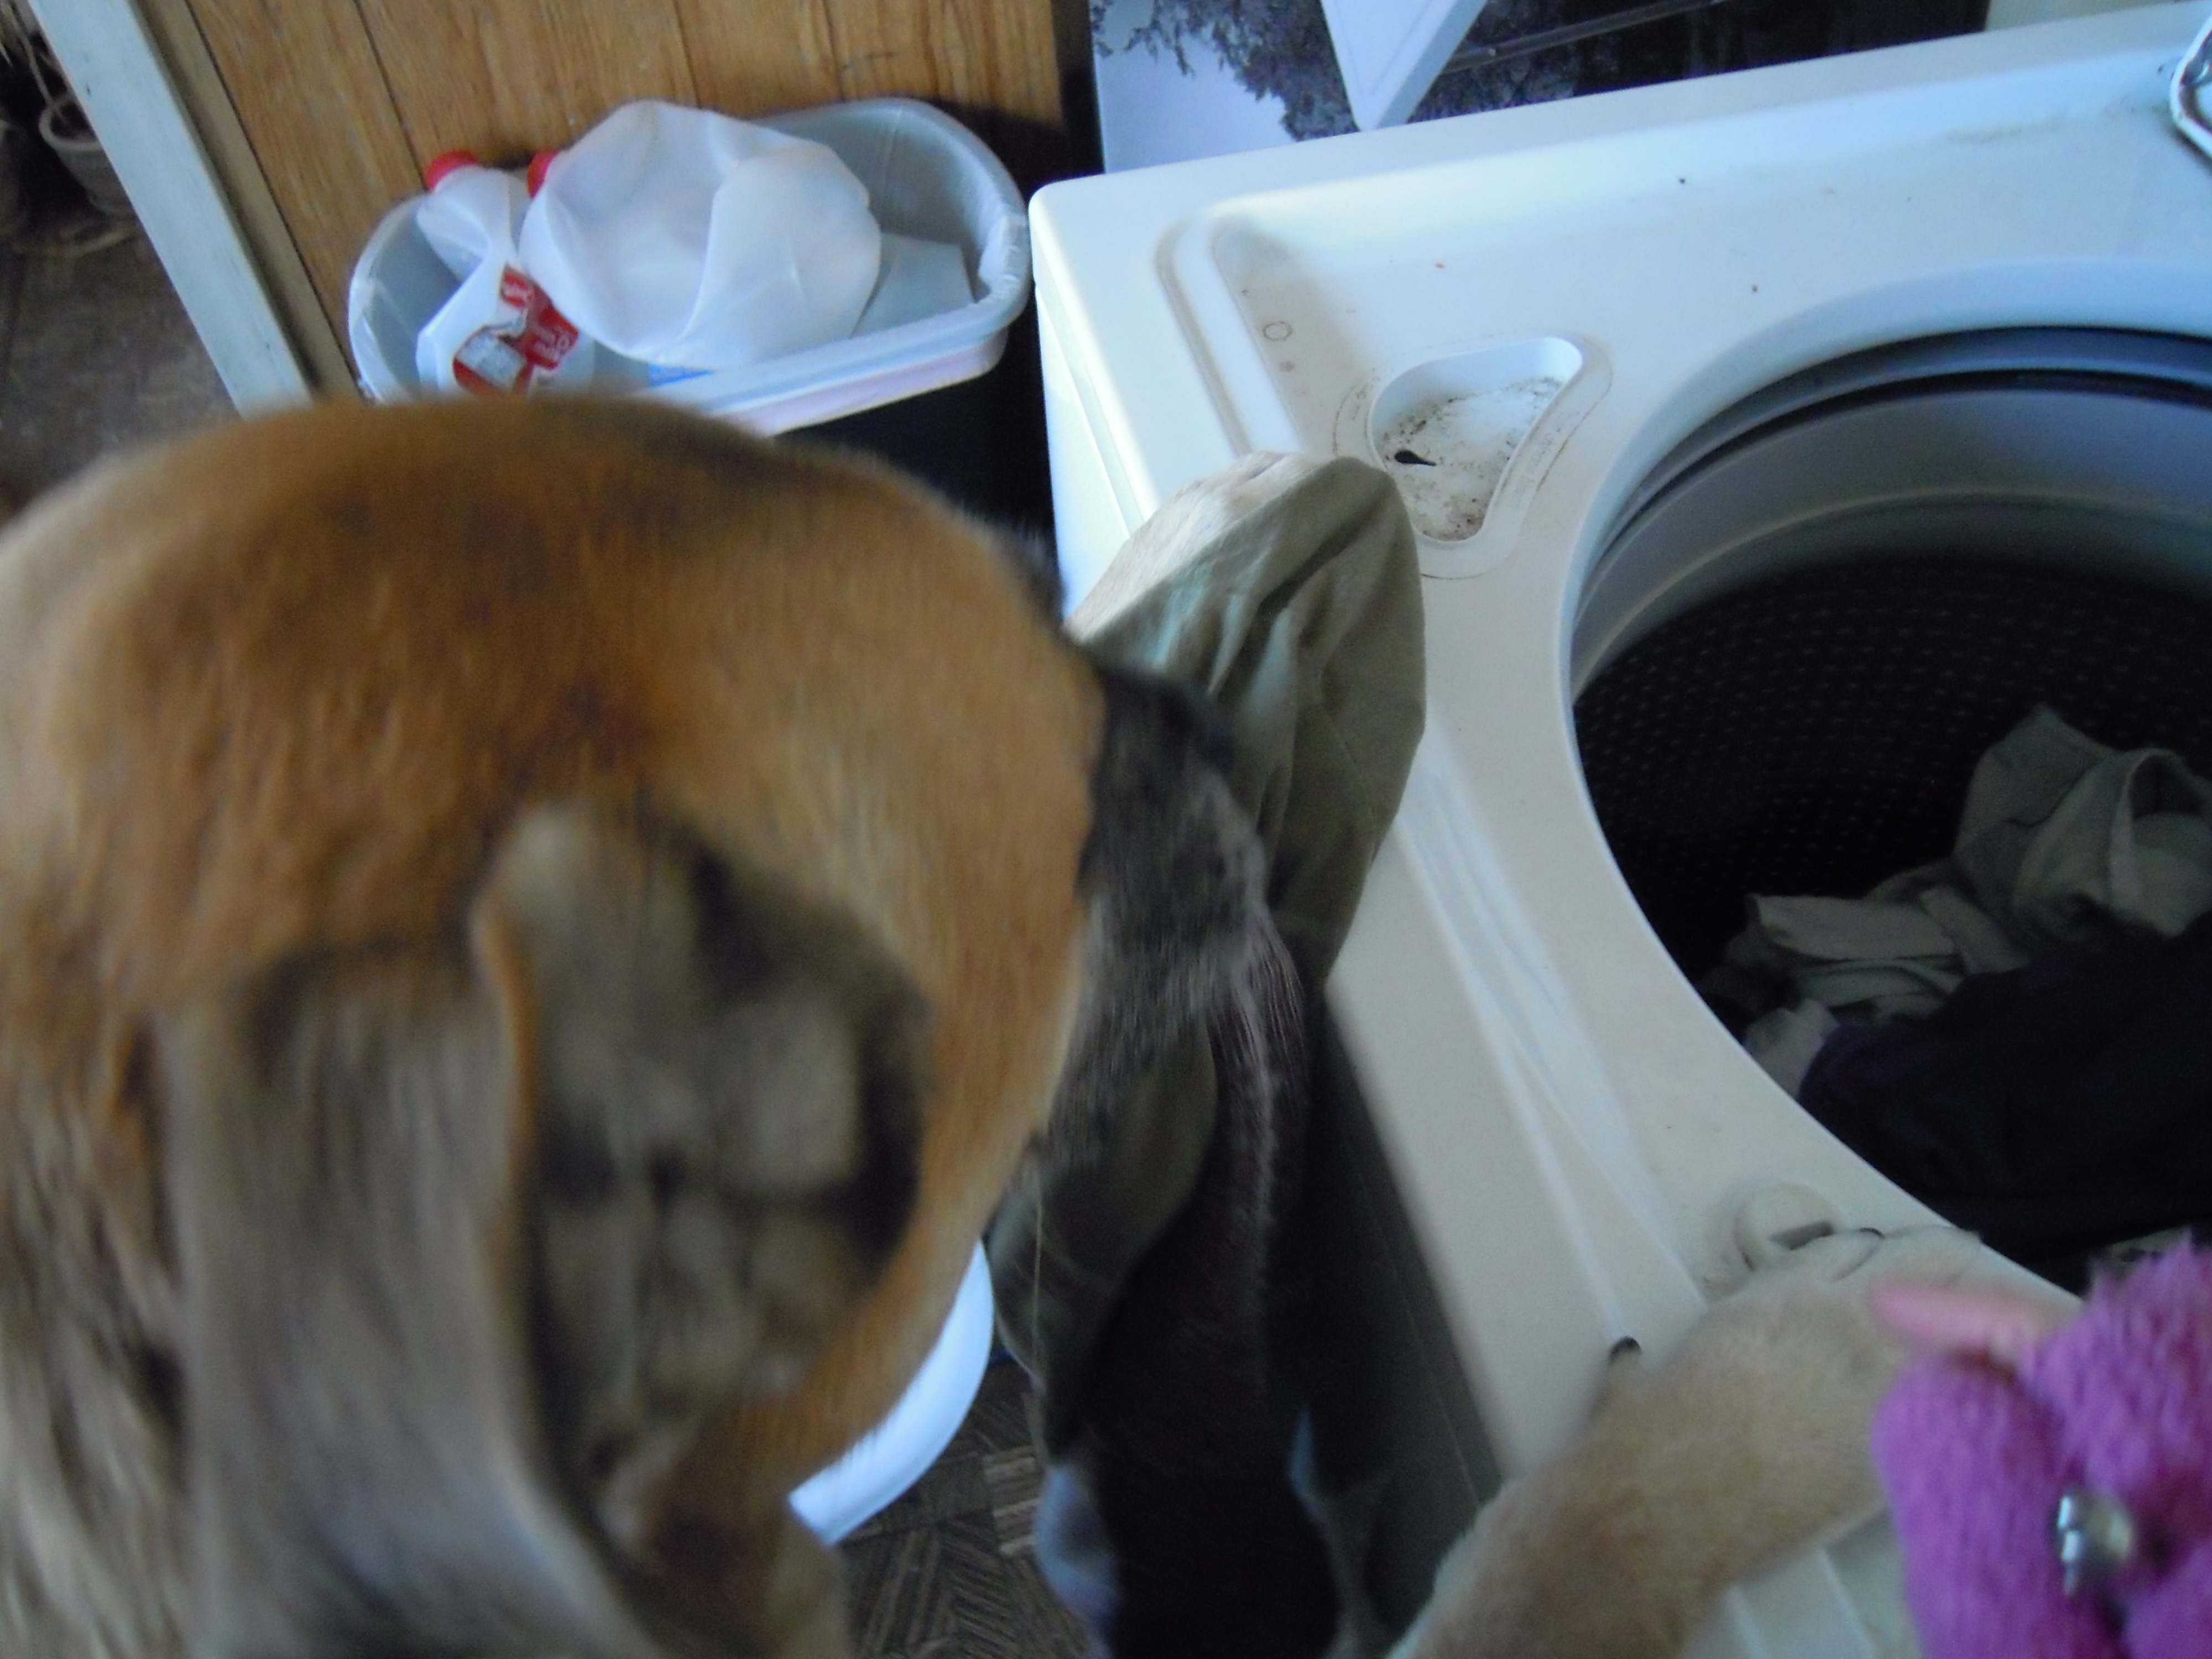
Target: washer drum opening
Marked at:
1825, 607
1812, 623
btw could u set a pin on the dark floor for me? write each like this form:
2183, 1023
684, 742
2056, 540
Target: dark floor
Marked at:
949, 1570
95, 354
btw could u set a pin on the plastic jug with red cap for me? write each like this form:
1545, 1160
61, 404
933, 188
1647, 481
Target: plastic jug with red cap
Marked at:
687, 240
499, 332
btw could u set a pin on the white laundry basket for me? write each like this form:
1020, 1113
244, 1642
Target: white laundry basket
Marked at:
927, 177
898, 1451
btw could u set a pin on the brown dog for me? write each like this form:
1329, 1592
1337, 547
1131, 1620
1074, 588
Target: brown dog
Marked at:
534, 941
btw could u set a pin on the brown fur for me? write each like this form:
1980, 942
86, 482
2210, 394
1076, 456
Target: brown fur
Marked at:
1746, 1444
283, 714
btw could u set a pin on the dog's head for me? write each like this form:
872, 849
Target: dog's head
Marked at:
592, 910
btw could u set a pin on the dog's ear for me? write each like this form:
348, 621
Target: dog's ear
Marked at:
466, 1229
730, 1081
366, 1468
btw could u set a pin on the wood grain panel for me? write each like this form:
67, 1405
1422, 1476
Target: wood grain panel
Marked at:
305, 86
751, 58
506, 77
984, 54
192, 71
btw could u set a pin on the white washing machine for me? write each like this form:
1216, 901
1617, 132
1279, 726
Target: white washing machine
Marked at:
1629, 352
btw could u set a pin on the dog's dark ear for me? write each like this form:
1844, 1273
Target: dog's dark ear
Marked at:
729, 1100
366, 1467
393, 1173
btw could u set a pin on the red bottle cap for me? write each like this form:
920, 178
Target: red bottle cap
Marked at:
536, 177
438, 167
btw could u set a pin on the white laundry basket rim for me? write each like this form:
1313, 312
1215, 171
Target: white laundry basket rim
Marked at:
899, 1450
928, 177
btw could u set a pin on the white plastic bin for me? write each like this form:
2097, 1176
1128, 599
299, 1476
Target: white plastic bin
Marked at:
927, 177
899, 1450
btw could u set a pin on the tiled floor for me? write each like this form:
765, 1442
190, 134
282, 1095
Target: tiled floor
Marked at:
949, 1571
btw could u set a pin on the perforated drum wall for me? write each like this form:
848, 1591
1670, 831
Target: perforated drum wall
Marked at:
1814, 732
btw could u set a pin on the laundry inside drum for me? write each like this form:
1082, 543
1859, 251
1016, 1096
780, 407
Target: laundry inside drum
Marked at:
1815, 733
1820, 648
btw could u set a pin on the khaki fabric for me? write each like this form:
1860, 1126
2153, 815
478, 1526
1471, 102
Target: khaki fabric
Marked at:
1288, 589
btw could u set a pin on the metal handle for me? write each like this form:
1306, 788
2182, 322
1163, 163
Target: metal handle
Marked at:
1499, 51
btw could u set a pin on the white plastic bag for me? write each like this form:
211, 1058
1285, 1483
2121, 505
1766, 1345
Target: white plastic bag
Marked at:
498, 332
919, 278
470, 211
686, 239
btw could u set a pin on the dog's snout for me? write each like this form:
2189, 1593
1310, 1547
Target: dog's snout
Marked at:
1171, 721
1204, 728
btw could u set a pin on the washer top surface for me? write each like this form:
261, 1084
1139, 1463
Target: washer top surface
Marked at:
1703, 236
1572, 1131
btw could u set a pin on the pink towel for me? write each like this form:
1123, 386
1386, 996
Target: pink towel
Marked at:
1976, 1457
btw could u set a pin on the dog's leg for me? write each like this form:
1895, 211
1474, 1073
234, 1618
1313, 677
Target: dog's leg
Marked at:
1748, 1443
